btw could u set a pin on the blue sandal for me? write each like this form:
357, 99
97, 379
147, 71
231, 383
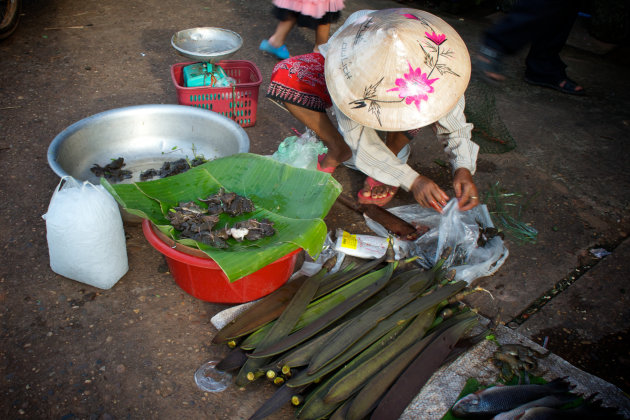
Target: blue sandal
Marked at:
280, 52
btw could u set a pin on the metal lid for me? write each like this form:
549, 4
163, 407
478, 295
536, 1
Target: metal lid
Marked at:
207, 44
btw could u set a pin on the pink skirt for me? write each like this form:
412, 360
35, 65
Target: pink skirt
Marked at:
313, 8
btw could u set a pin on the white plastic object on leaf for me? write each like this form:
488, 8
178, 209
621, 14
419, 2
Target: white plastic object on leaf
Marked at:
84, 230
368, 246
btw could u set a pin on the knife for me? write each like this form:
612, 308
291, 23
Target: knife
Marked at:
394, 224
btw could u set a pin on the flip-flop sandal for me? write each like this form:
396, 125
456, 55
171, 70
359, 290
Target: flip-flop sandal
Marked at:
378, 201
568, 87
328, 170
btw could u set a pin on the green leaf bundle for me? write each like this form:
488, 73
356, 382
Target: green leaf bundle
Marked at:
295, 200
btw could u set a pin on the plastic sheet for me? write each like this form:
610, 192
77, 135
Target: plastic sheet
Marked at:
456, 230
210, 379
300, 152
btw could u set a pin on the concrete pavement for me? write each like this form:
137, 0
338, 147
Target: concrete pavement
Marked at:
72, 350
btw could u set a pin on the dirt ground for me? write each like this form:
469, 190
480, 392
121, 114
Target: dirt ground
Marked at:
69, 350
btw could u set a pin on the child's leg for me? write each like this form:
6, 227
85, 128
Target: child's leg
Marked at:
282, 31
322, 33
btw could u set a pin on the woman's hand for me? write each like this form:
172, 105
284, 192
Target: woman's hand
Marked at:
428, 194
465, 189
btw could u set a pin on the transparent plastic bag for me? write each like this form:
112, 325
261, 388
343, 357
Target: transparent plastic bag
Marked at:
225, 81
300, 152
456, 230
310, 268
210, 379
84, 230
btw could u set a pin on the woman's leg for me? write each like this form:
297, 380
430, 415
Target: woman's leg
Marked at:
396, 140
320, 123
543, 63
322, 33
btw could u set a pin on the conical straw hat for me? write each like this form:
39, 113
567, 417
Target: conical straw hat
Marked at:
397, 69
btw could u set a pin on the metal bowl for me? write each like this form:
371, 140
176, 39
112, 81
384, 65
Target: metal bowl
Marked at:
207, 44
146, 136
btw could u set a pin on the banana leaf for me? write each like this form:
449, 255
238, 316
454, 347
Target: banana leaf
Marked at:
295, 200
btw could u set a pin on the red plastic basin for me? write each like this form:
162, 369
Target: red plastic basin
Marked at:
202, 278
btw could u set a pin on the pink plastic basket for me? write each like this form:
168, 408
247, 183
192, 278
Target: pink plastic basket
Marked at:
238, 102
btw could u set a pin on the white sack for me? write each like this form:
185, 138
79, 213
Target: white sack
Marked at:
86, 239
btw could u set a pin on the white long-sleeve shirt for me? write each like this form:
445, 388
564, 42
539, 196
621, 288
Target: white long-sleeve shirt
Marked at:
371, 156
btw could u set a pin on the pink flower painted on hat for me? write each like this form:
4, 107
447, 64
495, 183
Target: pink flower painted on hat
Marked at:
411, 16
414, 86
436, 38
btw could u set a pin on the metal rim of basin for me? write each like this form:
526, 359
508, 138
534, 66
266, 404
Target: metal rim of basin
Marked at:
113, 114
206, 35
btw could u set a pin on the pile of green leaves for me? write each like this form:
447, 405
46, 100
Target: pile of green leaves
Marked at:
295, 200
507, 211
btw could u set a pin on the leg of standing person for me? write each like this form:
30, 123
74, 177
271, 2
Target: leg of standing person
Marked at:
275, 44
543, 63
545, 24
510, 34
282, 31
322, 33
506, 37
320, 123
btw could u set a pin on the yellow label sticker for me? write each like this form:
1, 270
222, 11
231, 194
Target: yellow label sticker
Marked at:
348, 241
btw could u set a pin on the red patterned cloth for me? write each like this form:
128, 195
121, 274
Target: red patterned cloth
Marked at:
300, 81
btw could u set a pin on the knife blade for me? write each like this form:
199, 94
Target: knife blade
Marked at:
392, 223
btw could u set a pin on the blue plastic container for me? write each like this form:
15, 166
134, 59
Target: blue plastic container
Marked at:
203, 74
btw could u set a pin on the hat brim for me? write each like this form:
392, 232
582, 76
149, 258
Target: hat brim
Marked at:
397, 69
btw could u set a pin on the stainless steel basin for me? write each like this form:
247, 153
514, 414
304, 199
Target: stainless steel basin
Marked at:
146, 136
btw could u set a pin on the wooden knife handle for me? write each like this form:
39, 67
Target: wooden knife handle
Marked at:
388, 220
